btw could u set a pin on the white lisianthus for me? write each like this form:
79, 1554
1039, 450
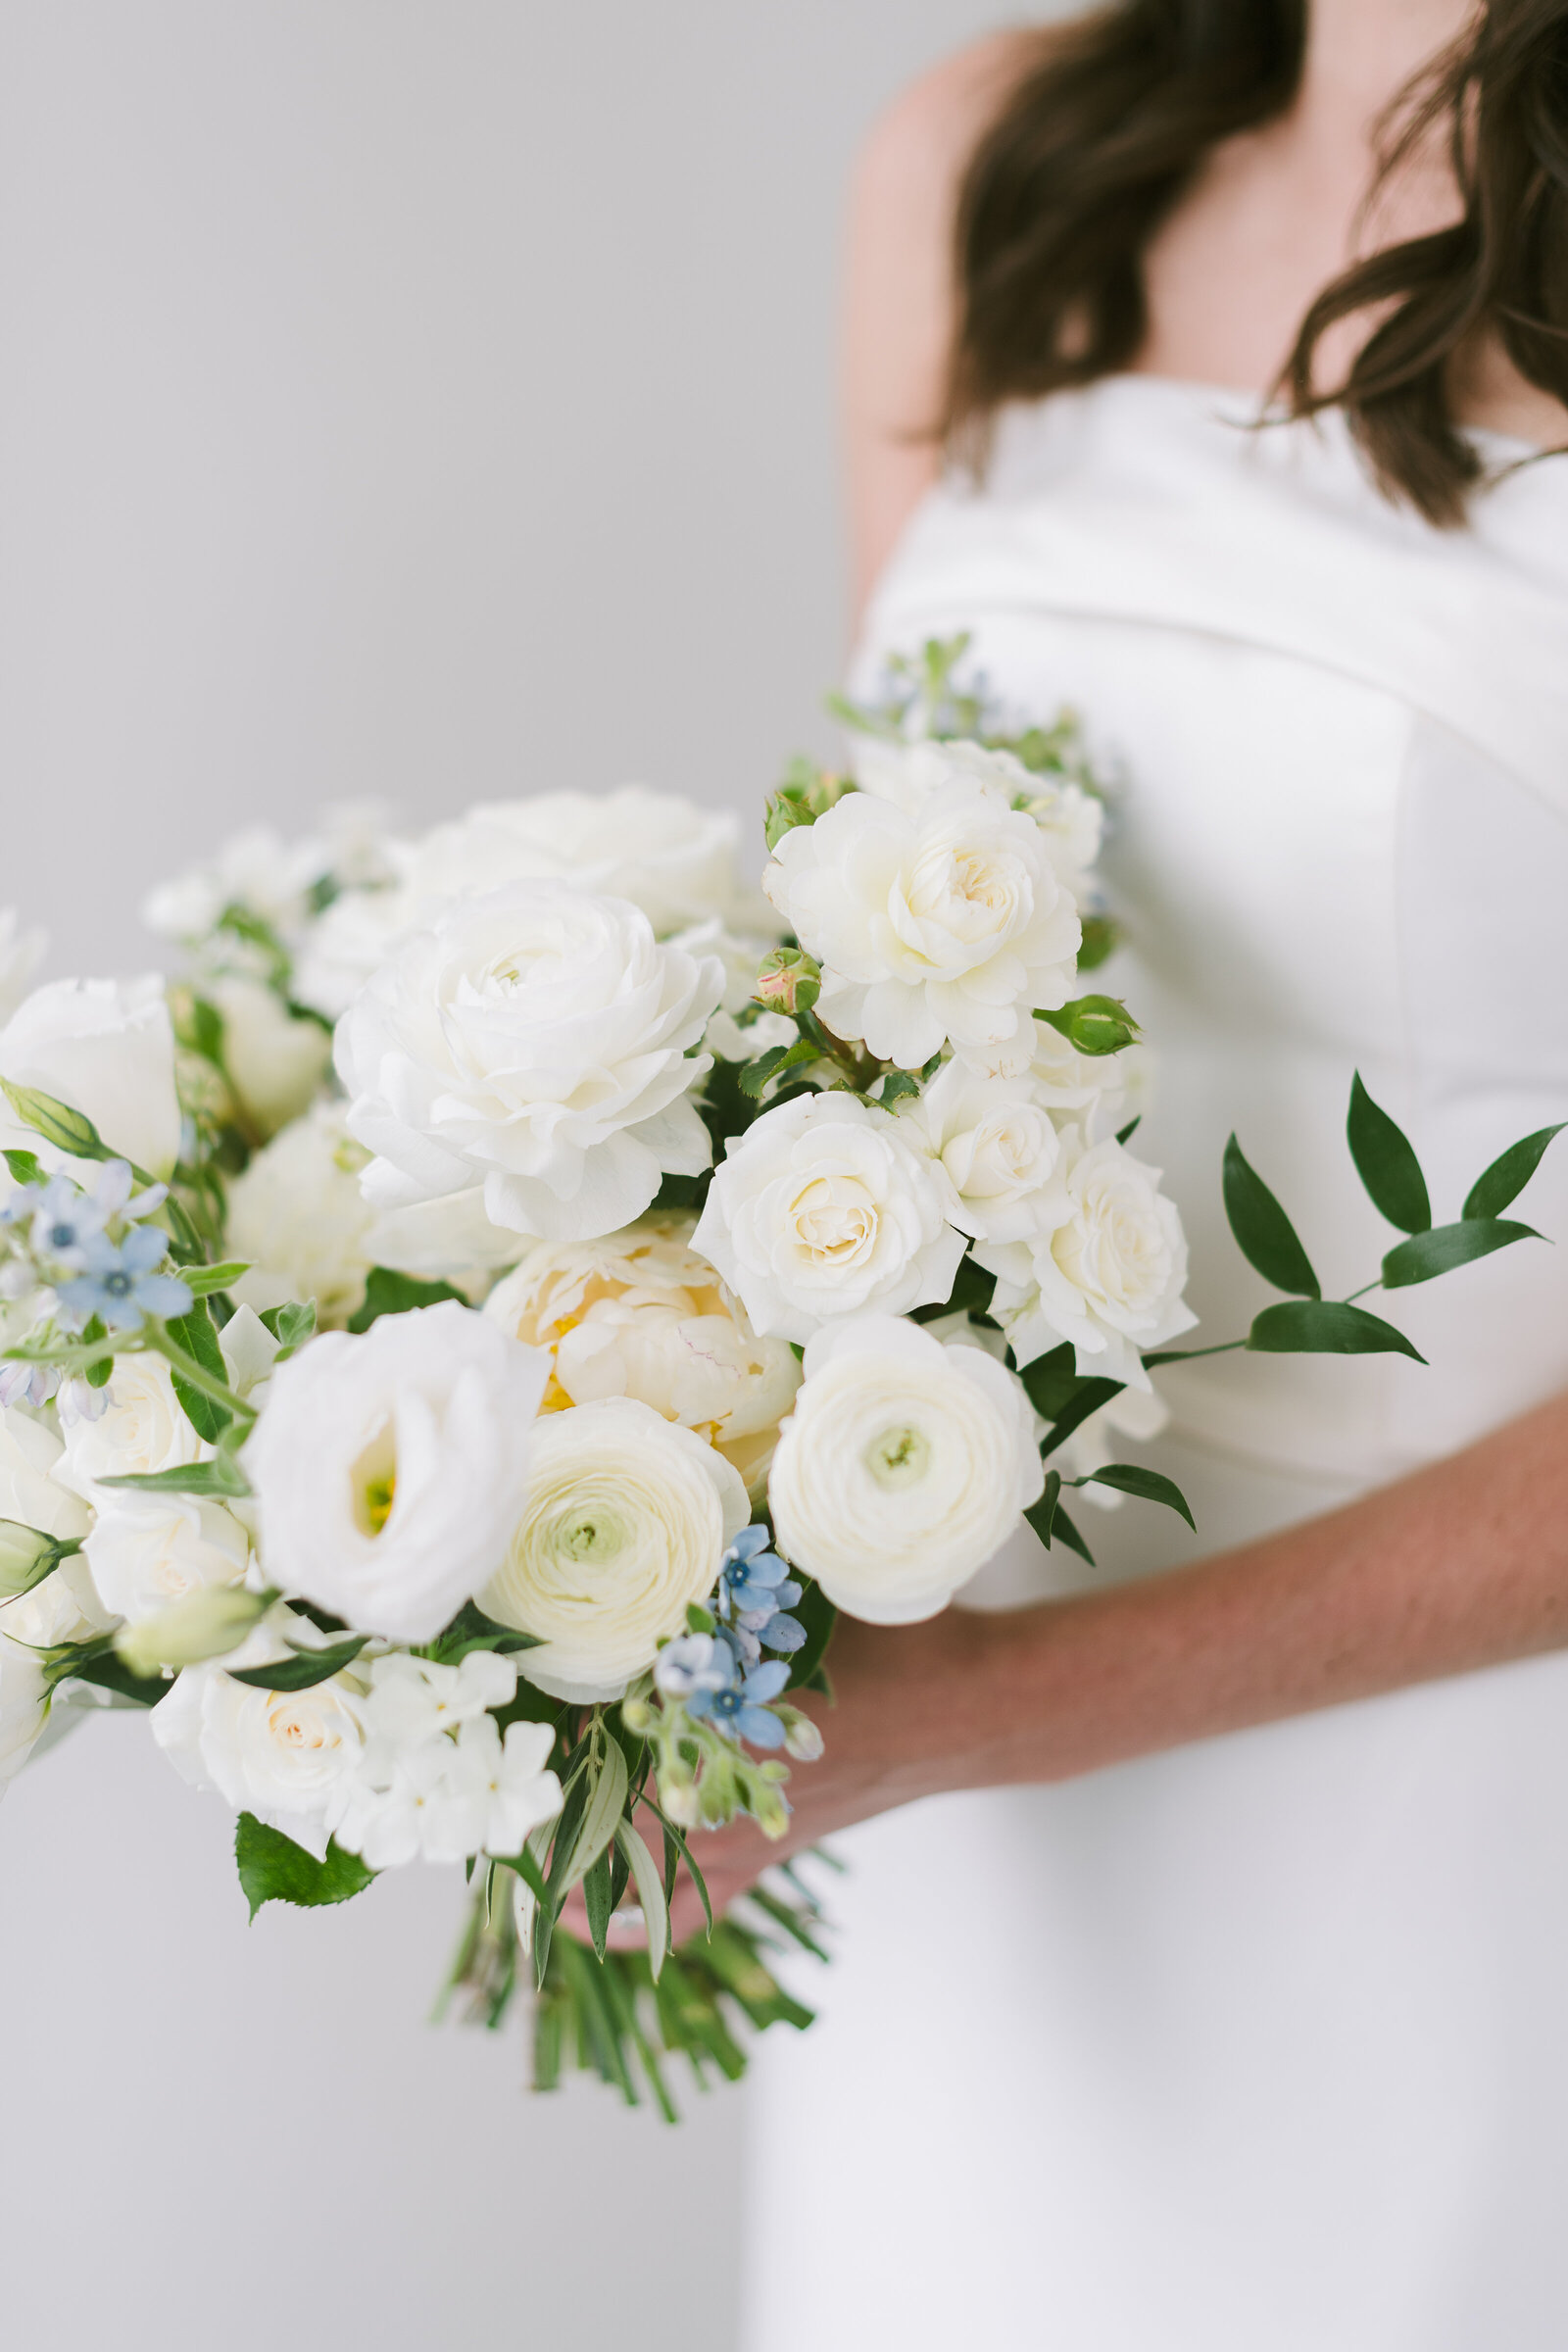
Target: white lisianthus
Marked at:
995, 1142
20, 954
627, 1519
29, 1450
435, 1780
826, 1206
532, 1047
1105, 1271
105, 1048
949, 924
147, 1550
279, 1754
297, 1217
63, 1608
390, 1468
905, 1466
274, 1062
143, 1426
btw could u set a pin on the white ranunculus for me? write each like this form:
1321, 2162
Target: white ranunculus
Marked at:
274, 1062
281, 1755
826, 1206
105, 1048
29, 1449
949, 924
905, 1466
20, 954
147, 1550
297, 1217
1105, 1271
390, 1468
627, 1519
435, 1780
640, 1314
995, 1142
143, 1426
535, 1047
63, 1608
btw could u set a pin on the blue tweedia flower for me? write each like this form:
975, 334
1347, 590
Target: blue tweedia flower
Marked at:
754, 1590
740, 1711
694, 1663
119, 1284
66, 1221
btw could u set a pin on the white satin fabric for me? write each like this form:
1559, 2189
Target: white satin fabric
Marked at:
1262, 2046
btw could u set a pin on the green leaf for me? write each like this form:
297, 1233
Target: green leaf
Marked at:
1264, 1234
1041, 1515
1065, 1532
675, 1837
291, 1325
202, 1281
221, 1477
27, 1556
111, 1673
595, 1897
605, 1801
1086, 1397
698, 1619
1445, 1246
897, 1084
1099, 938
819, 1615
197, 1334
303, 1670
1326, 1327
1124, 1135
1508, 1174
775, 1063
26, 1167
1385, 1163
272, 1869
67, 1129
470, 1628
387, 1293
1132, 1479
650, 1893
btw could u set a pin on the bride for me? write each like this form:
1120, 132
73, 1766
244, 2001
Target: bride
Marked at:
1204, 361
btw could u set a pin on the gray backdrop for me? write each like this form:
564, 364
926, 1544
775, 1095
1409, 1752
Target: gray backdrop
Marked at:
424, 401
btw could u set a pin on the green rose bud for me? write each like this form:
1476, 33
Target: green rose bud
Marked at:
1094, 1025
788, 981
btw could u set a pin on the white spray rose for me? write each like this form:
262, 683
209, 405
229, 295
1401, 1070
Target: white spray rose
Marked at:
640, 1314
143, 1426
390, 1468
826, 1206
533, 1046
29, 1449
435, 1780
277, 1754
257, 869
627, 1519
949, 924
1106, 1270
1069, 819
20, 954
275, 1061
147, 1550
105, 1048
905, 1466
995, 1142
297, 1217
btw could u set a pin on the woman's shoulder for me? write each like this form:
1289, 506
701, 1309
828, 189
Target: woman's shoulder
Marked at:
922, 142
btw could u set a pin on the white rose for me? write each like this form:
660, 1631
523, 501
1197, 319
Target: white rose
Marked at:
532, 1046
29, 1449
20, 954
274, 1062
351, 939
297, 1217
277, 1754
949, 924
627, 1519
105, 1048
640, 1314
995, 1142
1070, 821
63, 1608
146, 1550
143, 1426
1105, 1271
905, 1466
389, 1469
257, 869
825, 1206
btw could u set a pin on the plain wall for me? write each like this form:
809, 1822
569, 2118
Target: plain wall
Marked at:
424, 402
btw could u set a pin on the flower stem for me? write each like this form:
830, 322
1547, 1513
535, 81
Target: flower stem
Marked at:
158, 1339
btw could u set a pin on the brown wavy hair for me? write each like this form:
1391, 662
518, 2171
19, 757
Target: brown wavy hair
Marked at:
1100, 136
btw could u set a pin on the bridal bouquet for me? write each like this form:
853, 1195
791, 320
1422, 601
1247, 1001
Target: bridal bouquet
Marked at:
463, 1342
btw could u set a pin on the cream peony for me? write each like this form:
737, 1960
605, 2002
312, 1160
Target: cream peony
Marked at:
274, 1062
389, 1469
1105, 1271
147, 1550
825, 1206
297, 1217
905, 1466
640, 1314
947, 924
627, 1519
281, 1755
994, 1141
105, 1048
143, 1426
532, 1047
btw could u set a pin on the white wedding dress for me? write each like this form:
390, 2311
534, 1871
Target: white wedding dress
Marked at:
1262, 2045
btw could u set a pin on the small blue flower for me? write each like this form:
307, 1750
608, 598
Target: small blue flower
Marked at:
119, 1284
695, 1662
740, 1711
754, 1590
